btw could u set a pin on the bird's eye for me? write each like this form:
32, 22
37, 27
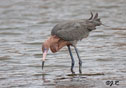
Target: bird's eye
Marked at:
45, 49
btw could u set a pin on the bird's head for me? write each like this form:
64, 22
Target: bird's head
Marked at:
95, 20
46, 45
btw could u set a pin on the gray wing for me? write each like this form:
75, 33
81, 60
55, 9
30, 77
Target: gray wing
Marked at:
70, 31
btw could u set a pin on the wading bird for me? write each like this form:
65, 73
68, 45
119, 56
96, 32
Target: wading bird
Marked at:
68, 33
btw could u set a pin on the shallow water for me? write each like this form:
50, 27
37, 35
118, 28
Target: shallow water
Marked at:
25, 24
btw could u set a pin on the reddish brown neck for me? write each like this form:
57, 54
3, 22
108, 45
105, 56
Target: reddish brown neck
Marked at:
49, 42
54, 43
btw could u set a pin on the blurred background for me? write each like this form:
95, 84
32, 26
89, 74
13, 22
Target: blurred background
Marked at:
26, 24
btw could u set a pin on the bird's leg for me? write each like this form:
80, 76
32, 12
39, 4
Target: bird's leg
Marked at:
72, 59
80, 62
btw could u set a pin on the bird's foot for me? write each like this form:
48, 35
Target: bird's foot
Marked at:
72, 71
80, 71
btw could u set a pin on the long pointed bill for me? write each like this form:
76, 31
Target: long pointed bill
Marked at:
43, 59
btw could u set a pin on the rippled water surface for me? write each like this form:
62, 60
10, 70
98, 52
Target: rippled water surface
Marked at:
26, 24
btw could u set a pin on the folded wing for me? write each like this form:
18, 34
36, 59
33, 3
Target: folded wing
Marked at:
70, 31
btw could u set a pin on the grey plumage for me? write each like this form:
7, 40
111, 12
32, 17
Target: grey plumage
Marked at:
71, 32
76, 30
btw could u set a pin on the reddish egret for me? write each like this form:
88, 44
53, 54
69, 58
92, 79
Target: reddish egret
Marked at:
68, 33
